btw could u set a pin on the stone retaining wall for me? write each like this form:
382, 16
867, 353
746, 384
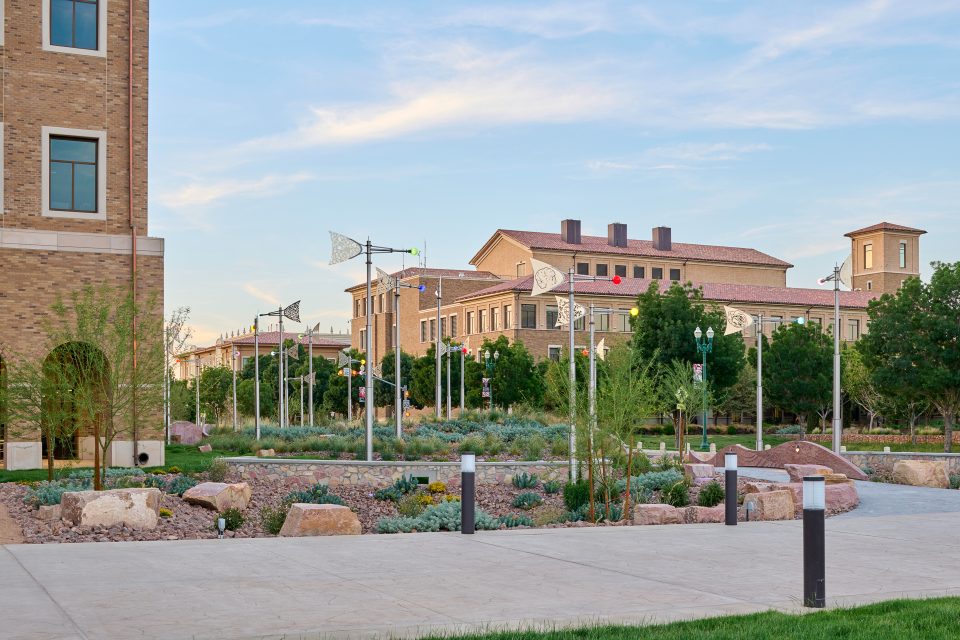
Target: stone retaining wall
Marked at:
381, 474
881, 438
880, 460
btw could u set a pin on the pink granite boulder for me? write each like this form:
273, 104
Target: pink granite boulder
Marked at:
656, 514
707, 514
219, 496
798, 471
699, 473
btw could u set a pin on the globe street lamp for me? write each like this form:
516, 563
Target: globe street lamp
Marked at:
491, 363
704, 347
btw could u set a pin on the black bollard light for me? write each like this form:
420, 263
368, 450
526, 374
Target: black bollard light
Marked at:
468, 492
814, 543
730, 477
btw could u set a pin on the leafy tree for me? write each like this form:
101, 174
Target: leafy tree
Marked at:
335, 395
913, 346
679, 396
181, 400
663, 329
798, 369
216, 392
514, 376
740, 399
858, 383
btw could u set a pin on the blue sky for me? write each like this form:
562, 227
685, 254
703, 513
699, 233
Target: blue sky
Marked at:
779, 126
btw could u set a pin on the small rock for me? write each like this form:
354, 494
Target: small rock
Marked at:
773, 505
49, 513
205, 448
266, 453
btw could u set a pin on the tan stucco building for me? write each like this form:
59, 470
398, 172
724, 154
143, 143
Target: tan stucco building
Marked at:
73, 181
495, 298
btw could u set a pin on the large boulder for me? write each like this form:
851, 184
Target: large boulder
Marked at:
219, 496
133, 508
841, 497
798, 471
772, 505
707, 514
921, 473
186, 432
699, 473
837, 478
656, 514
266, 453
320, 520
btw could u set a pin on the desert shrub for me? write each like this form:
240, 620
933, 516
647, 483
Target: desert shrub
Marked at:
437, 487
217, 471
790, 430
400, 488
127, 482
551, 487
472, 444
576, 494
527, 500
525, 480
607, 489
711, 495
549, 515
272, 518
512, 520
678, 495
155, 482
955, 481
666, 463
658, 480
113, 472
410, 507
49, 493
180, 484
640, 492
582, 514
533, 446
173, 470
439, 517
731, 430
451, 498
560, 447
929, 431
317, 494
165, 513
158, 472
639, 464
233, 519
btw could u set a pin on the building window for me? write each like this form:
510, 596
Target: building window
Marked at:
580, 324
602, 269
553, 352
508, 316
583, 268
853, 330
495, 319
868, 256
423, 331
903, 254
74, 173
469, 322
551, 316
639, 272
775, 322
657, 273
624, 316
363, 339
356, 308
433, 329
675, 275
816, 321
528, 316
453, 326
620, 270
869, 285
603, 322
482, 321
75, 26
520, 269
443, 327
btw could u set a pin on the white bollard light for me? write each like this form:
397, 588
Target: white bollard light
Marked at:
468, 492
730, 478
814, 543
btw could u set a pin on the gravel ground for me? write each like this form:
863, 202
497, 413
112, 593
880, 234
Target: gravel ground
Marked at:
190, 522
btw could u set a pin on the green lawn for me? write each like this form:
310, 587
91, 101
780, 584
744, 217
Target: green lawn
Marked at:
906, 619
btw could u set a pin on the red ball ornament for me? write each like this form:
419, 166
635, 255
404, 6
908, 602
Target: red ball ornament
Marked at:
616, 280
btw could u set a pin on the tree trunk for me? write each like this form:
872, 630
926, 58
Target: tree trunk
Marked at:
948, 417
913, 429
50, 458
626, 507
96, 455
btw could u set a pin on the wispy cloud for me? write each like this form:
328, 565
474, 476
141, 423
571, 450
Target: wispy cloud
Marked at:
260, 294
686, 155
200, 194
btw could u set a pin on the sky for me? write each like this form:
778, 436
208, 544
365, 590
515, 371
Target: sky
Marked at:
778, 126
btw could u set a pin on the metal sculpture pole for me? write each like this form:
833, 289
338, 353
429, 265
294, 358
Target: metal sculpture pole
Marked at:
760, 382
463, 351
233, 360
573, 386
449, 366
436, 348
837, 416
398, 392
280, 393
256, 374
310, 372
368, 407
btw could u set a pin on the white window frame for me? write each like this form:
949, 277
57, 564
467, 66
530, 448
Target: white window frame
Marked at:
551, 347
101, 138
100, 51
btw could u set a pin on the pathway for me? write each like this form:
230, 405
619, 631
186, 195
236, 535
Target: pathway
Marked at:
407, 585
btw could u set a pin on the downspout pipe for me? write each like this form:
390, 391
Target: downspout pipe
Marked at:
133, 227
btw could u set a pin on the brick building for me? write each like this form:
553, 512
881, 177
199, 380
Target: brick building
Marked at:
73, 162
495, 299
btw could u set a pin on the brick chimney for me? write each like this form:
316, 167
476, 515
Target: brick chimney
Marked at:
617, 234
661, 239
570, 231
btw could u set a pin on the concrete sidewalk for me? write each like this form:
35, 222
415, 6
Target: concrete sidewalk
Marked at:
419, 583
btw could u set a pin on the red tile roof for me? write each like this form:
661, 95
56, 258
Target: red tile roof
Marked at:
272, 338
680, 250
428, 272
884, 226
715, 292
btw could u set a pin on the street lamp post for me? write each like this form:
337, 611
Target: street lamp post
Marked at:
463, 353
704, 347
836, 278
436, 349
759, 331
385, 284
343, 249
233, 361
256, 374
491, 364
310, 333
292, 312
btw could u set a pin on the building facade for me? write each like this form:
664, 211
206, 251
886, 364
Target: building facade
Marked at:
73, 163
496, 299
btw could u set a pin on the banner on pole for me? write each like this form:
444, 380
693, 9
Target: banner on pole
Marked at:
698, 373
602, 349
486, 388
563, 315
293, 311
385, 282
737, 320
545, 277
363, 394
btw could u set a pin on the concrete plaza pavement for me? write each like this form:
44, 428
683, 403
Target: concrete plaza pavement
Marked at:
414, 584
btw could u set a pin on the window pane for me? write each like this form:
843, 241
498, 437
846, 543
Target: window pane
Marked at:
528, 316
675, 274
84, 187
639, 272
601, 269
86, 26
658, 273
583, 268
551, 316
61, 180
903, 255
71, 149
61, 23
620, 270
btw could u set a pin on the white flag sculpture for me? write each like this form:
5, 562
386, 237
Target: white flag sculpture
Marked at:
737, 320
294, 352
545, 277
563, 313
377, 373
343, 248
846, 272
344, 359
602, 349
385, 282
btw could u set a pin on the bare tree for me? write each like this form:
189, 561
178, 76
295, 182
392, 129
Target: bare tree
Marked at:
176, 334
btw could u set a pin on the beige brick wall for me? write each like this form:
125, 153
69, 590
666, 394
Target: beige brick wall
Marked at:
886, 275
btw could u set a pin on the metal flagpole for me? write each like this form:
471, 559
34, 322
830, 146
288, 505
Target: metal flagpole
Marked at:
256, 374
301, 400
593, 376
573, 387
462, 358
166, 382
280, 393
233, 359
369, 404
310, 372
449, 366
350, 390
286, 383
760, 382
837, 417
438, 398
197, 385
398, 392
